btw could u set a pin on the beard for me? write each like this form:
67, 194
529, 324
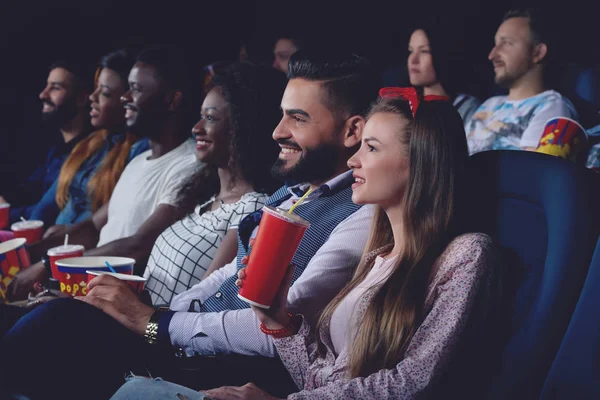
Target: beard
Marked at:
314, 165
61, 114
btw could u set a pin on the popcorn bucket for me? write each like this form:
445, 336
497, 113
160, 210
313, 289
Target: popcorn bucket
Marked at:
563, 138
13, 258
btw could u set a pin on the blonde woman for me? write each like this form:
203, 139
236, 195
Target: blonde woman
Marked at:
393, 330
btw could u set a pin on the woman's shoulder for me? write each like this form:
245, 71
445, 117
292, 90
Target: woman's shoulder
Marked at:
468, 247
254, 199
470, 254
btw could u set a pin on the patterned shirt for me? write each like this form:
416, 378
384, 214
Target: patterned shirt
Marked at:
503, 124
465, 267
237, 331
593, 161
183, 252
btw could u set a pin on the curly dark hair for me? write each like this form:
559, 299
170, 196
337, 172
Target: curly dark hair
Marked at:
253, 94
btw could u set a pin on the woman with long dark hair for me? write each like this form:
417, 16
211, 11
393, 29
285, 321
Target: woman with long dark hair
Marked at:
90, 173
437, 67
233, 140
394, 329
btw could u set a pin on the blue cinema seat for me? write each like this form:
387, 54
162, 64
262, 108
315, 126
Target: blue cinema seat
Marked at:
540, 211
575, 373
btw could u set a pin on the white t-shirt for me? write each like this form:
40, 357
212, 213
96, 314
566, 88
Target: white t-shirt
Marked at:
143, 186
502, 124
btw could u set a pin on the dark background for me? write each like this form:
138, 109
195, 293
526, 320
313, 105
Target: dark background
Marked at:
33, 34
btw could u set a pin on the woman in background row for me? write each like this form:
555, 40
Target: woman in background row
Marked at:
435, 65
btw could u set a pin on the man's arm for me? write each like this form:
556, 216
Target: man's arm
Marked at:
325, 275
139, 245
85, 233
203, 289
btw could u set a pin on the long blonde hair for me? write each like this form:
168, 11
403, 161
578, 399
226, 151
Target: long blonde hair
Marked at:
437, 152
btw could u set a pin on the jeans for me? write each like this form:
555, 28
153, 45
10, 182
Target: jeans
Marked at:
142, 388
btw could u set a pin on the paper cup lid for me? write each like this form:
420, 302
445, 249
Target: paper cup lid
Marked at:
4, 205
24, 225
12, 244
70, 248
123, 277
95, 262
283, 214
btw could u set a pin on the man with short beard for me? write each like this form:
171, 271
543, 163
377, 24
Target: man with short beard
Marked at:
520, 58
324, 107
64, 108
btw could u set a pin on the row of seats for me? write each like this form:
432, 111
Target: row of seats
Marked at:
543, 214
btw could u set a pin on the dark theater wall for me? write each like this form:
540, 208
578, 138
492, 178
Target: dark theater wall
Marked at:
34, 33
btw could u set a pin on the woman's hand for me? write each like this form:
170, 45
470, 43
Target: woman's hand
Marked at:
277, 316
247, 392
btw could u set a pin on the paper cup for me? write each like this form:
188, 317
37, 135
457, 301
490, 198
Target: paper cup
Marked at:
13, 258
73, 271
136, 282
563, 138
61, 252
31, 230
279, 235
4, 215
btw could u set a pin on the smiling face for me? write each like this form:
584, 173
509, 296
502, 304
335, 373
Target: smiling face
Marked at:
213, 130
420, 61
59, 97
381, 165
309, 134
145, 101
106, 109
512, 55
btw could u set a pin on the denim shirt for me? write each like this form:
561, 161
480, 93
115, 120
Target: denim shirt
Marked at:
25, 197
79, 205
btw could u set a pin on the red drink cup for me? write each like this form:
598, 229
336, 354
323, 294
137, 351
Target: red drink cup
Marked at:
563, 138
30, 230
279, 235
4, 215
60, 252
136, 282
74, 271
13, 258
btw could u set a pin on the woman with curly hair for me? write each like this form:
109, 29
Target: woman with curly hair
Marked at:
233, 140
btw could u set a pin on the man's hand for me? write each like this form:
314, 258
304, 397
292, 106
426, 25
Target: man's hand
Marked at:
247, 392
22, 283
54, 230
117, 299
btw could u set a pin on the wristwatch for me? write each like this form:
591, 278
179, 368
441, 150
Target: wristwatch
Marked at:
151, 334
46, 262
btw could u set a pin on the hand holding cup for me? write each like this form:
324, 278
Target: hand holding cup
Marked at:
276, 317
